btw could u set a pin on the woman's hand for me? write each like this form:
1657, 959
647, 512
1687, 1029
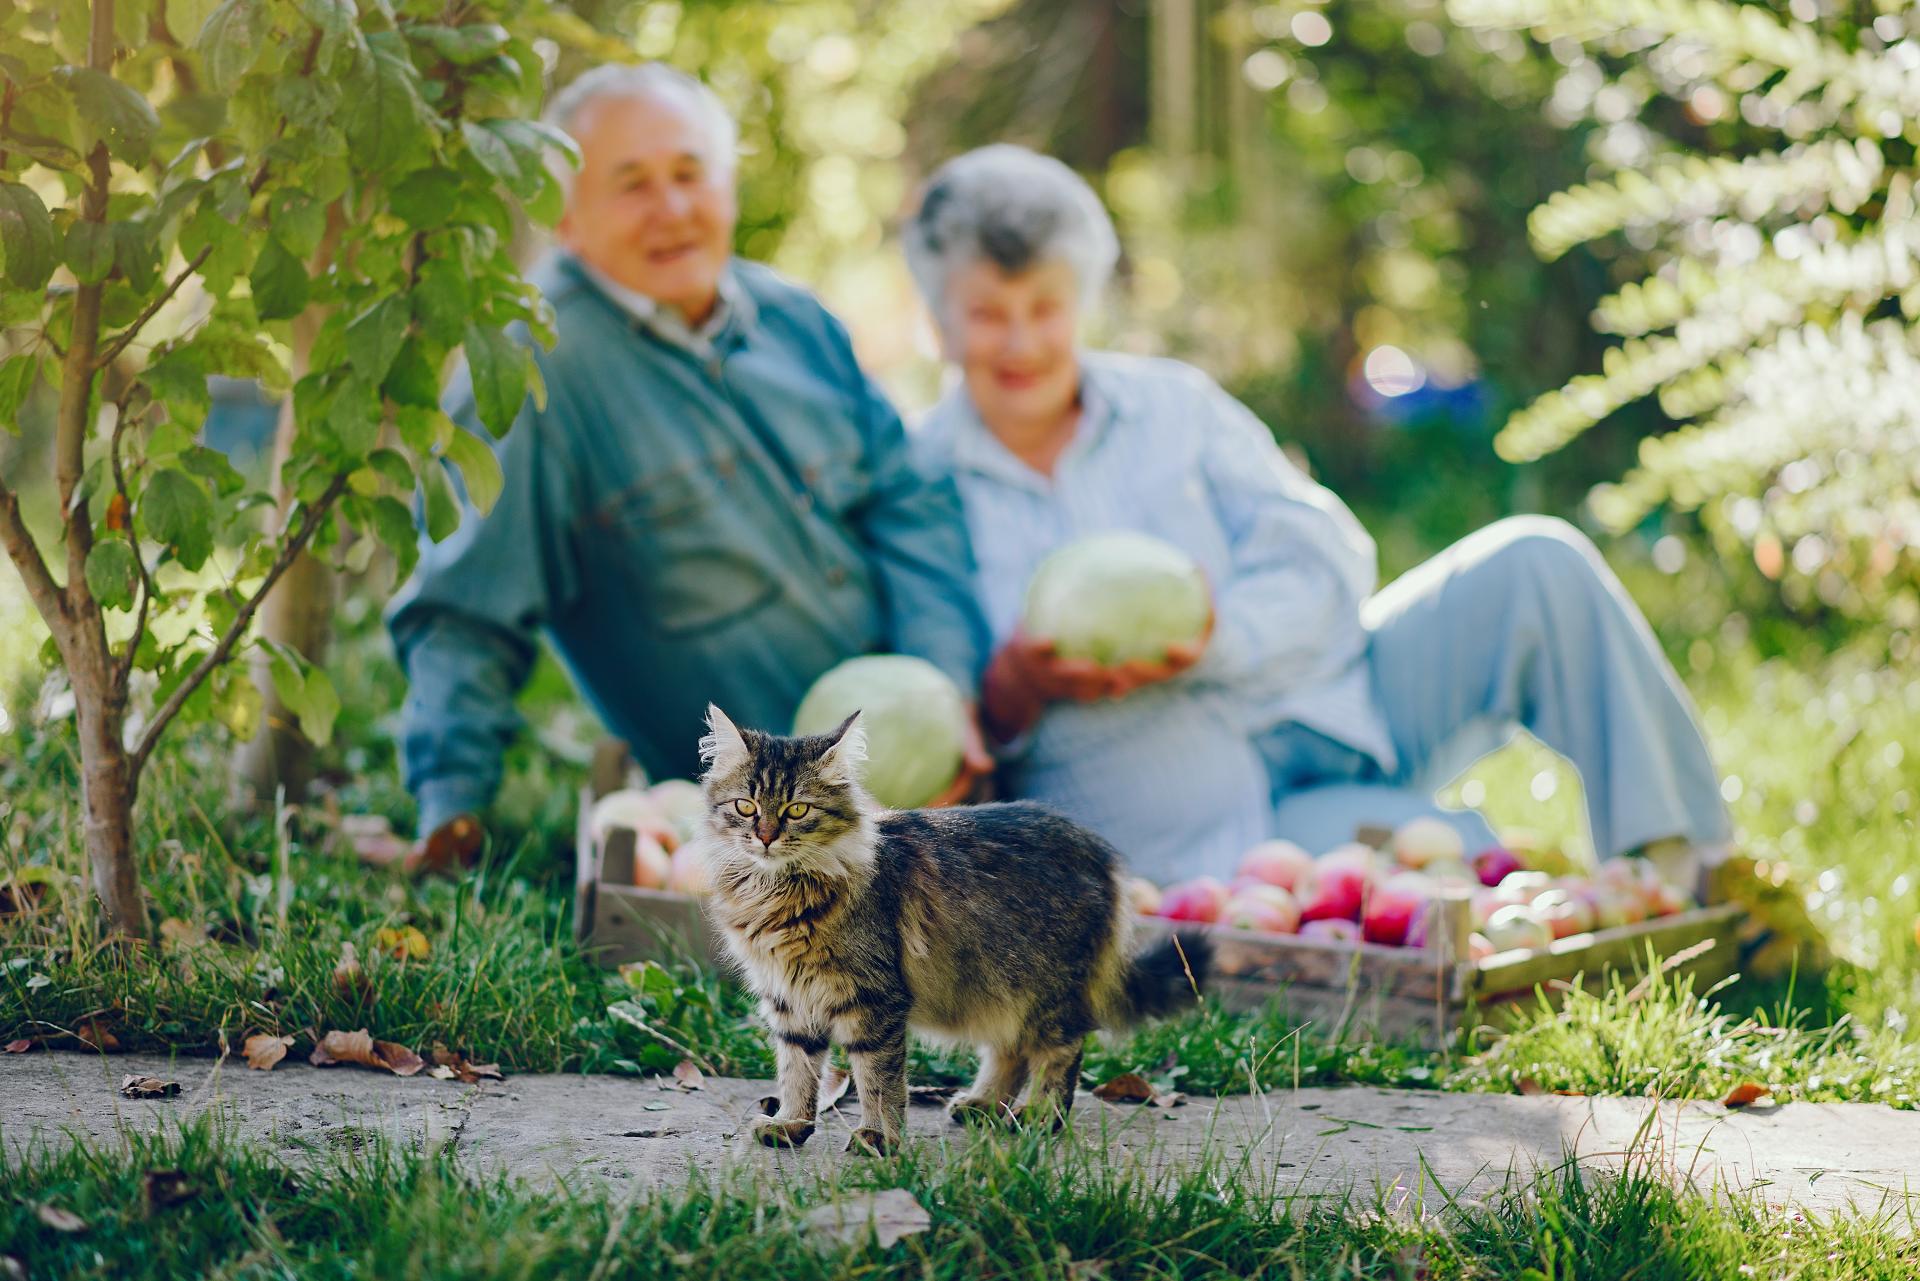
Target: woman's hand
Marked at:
1028, 673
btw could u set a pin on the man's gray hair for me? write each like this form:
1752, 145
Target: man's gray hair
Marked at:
647, 80
1016, 209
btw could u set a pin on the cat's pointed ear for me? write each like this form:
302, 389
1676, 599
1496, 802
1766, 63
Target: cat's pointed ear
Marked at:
847, 753
724, 746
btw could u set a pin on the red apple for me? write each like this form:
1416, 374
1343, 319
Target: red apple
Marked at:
1197, 900
1266, 908
1279, 863
1331, 931
1495, 865
1425, 840
1516, 928
1394, 908
1144, 895
1337, 893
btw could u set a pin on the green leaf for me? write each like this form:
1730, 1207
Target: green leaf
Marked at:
111, 575
354, 417
393, 523
413, 379
176, 510
89, 251
386, 118
231, 40
426, 431
375, 335
427, 197
179, 381
462, 46
443, 509
135, 255
16, 380
185, 18
116, 113
499, 367
214, 465
333, 17
26, 236
297, 221
443, 300
493, 153
279, 281
393, 466
479, 468
306, 692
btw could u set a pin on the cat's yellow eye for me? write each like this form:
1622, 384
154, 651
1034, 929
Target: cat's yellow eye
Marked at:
799, 809
744, 808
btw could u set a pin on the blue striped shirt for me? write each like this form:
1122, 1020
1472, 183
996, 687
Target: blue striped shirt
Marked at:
1173, 773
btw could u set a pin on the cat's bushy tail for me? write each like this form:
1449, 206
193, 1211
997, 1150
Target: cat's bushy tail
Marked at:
1163, 979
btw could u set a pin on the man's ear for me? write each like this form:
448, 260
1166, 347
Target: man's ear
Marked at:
847, 754
724, 746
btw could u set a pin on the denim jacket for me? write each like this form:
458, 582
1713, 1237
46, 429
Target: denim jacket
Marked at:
684, 523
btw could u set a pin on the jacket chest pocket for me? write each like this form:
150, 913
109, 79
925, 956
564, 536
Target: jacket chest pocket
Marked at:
681, 542
838, 482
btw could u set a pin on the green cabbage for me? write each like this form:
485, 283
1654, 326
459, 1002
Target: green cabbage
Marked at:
1117, 596
914, 716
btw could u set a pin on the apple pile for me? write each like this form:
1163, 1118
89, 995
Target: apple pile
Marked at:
664, 819
1522, 895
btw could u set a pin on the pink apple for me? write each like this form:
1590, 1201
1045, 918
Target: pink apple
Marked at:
652, 865
1666, 899
1394, 908
1526, 884
688, 872
1424, 840
1564, 914
1242, 882
1479, 947
1331, 931
1485, 902
1196, 900
1279, 863
1614, 907
1516, 928
1266, 908
1495, 865
1144, 895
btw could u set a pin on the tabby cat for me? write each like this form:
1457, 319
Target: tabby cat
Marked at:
1004, 926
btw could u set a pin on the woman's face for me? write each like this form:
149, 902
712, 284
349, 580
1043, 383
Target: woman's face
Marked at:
1015, 340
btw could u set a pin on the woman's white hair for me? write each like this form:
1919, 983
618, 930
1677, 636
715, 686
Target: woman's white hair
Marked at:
644, 80
1014, 208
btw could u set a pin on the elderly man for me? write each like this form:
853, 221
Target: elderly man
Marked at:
716, 504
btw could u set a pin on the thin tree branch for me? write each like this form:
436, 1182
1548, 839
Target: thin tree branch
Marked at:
152, 309
133, 540
25, 554
289, 552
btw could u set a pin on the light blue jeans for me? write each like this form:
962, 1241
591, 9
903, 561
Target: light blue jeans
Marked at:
1520, 625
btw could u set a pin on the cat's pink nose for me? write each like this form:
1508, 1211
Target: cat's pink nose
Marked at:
767, 833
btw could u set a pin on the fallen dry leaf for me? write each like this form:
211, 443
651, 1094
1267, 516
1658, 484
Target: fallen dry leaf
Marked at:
1527, 1085
360, 1048
94, 1034
1172, 1099
1128, 1087
264, 1051
1744, 1093
148, 1087
888, 1215
456, 1065
163, 1188
20, 1046
686, 1076
404, 943
60, 1220
834, 1084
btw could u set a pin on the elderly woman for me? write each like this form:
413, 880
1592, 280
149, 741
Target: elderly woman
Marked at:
1315, 704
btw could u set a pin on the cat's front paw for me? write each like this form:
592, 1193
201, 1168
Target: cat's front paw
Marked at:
869, 1142
777, 1132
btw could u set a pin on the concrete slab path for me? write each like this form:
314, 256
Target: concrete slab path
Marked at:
638, 1134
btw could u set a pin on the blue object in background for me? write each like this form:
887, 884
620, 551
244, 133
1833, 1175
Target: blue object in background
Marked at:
241, 422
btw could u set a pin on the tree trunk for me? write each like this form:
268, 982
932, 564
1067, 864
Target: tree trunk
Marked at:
298, 613
108, 783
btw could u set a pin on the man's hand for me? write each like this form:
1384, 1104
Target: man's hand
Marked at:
976, 764
447, 850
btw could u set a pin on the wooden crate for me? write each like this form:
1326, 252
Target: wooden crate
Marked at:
1428, 995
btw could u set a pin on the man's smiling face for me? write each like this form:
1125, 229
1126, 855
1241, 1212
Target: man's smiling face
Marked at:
652, 207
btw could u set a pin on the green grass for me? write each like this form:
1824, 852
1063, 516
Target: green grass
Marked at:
1821, 731
1022, 1206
